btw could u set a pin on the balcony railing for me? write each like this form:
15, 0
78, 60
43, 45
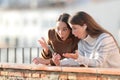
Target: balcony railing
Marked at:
18, 55
42, 72
16, 64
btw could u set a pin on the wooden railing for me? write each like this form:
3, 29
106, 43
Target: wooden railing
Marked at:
41, 72
16, 64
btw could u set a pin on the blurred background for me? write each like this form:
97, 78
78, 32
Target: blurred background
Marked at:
23, 22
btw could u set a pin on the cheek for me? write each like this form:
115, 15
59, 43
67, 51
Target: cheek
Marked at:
74, 32
67, 34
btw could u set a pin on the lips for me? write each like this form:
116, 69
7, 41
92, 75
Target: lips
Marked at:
75, 35
62, 38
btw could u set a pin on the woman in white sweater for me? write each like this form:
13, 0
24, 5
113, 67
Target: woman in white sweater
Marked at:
97, 47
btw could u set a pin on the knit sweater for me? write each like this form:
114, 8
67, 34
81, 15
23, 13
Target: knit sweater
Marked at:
59, 46
99, 52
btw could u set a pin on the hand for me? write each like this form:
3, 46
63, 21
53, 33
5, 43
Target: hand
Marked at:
71, 55
38, 60
43, 43
56, 59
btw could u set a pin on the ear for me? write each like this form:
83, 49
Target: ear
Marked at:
84, 26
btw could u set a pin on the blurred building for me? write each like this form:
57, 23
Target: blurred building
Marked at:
23, 22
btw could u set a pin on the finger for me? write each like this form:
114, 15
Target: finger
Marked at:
64, 54
40, 42
54, 55
58, 56
76, 51
34, 59
43, 39
36, 62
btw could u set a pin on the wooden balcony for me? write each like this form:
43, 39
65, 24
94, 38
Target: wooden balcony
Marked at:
20, 68
42, 72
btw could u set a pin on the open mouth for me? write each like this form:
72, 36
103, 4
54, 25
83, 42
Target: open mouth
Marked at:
62, 38
75, 35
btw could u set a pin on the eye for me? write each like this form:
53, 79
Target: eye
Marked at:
74, 28
65, 29
57, 29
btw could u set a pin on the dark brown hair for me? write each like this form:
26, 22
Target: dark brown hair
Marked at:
93, 28
64, 18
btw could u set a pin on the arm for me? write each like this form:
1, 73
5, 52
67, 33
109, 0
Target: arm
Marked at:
46, 53
71, 55
106, 47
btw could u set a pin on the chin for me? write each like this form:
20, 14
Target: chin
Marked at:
63, 39
76, 36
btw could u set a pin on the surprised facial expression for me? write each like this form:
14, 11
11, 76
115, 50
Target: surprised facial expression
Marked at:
62, 30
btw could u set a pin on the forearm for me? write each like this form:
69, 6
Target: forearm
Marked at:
46, 56
45, 51
90, 62
71, 55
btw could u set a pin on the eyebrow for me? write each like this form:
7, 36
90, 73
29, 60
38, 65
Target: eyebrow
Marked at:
65, 27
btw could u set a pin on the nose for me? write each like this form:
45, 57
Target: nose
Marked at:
73, 31
60, 32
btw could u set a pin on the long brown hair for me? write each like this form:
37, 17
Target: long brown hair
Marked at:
93, 28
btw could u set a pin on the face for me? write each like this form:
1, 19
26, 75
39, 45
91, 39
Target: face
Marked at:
78, 31
62, 30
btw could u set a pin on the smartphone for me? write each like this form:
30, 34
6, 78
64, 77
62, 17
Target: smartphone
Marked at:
50, 48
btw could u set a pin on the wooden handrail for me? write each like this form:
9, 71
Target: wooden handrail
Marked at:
38, 72
110, 71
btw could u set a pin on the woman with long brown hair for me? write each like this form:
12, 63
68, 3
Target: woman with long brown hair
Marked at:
60, 39
97, 47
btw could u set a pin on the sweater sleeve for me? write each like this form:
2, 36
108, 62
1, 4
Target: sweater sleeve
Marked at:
49, 55
106, 47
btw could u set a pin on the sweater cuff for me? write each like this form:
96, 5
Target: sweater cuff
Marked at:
52, 63
82, 60
45, 56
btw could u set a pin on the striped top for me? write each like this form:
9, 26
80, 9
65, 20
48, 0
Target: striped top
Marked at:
99, 52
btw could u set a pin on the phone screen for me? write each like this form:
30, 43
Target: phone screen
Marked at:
50, 48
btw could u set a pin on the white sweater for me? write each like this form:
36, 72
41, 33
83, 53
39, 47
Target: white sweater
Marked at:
99, 52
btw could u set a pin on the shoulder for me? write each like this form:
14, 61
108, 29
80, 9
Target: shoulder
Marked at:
51, 33
106, 38
104, 35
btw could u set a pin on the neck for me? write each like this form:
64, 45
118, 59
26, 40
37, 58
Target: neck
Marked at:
85, 35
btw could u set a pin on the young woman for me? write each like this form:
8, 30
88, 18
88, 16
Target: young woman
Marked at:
60, 39
97, 47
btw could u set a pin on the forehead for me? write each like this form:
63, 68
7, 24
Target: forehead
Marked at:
61, 24
74, 25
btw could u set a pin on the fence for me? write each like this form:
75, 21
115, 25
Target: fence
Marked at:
13, 67
18, 55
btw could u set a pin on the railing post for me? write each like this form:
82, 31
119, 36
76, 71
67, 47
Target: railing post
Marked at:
23, 55
15, 55
38, 52
7, 55
0, 54
30, 55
